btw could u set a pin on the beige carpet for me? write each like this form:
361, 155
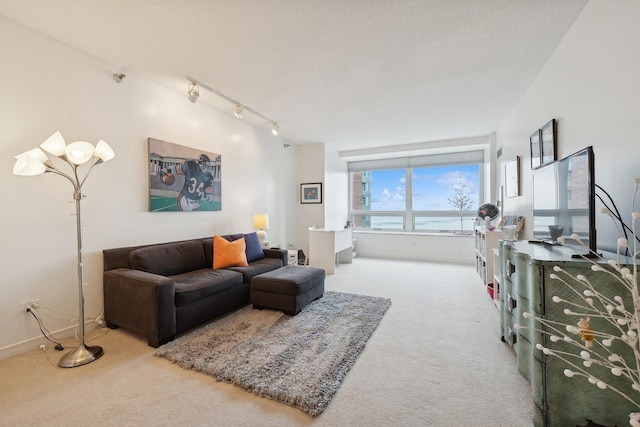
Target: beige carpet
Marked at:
435, 360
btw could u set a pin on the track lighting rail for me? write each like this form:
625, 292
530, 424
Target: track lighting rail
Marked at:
239, 107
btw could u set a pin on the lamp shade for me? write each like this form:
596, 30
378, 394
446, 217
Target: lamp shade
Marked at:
103, 151
36, 153
79, 152
27, 165
260, 221
54, 144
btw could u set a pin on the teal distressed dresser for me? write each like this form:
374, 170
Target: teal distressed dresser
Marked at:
526, 287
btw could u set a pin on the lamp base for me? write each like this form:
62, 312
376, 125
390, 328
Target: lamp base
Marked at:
262, 235
80, 356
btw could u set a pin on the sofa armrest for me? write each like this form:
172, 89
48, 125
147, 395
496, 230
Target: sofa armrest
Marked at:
277, 253
140, 302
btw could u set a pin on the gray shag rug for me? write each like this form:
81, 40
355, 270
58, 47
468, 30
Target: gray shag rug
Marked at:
298, 360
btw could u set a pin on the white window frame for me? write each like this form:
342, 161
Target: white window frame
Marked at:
409, 163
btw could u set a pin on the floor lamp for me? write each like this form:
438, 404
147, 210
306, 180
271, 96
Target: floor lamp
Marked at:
36, 162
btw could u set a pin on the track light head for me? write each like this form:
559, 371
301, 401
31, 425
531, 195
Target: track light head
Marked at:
238, 111
193, 92
117, 77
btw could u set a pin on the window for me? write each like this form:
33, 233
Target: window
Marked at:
425, 195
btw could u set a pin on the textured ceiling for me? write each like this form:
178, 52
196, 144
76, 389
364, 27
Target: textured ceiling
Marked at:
350, 73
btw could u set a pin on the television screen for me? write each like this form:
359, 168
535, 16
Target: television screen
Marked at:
564, 201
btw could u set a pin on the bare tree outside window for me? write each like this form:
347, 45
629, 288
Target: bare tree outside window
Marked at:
460, 200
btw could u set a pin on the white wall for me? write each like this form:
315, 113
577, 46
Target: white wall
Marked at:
310, 160
417, 247
46, 86
591, 85
336, 177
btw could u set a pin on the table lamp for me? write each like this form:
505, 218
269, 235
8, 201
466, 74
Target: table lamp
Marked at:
260, 223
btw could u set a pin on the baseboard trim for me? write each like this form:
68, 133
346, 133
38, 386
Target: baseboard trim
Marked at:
393, 257
35, 343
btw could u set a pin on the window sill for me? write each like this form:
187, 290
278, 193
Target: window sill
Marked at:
415, 233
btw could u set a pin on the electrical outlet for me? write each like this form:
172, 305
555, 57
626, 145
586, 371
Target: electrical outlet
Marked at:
26, 304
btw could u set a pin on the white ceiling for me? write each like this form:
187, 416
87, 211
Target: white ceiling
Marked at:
350, 73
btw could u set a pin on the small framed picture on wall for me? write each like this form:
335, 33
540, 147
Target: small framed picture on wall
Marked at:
548, 136
536, 150
512, 178
311, 193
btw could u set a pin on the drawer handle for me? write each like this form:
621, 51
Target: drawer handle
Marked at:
509, 268
511, 303
512, 337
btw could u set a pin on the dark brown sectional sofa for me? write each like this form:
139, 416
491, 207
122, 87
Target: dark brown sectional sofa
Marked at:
161, 290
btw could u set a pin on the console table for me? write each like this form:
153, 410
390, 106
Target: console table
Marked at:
527, 287
328, 247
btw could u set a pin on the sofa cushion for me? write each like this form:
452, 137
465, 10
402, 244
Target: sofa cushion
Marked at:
258, 267
195, 285
207, 245
254, 248
169, 259
227, 254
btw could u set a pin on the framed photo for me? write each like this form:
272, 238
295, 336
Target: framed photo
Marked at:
548, 135
536, 150
311, 193
512, 178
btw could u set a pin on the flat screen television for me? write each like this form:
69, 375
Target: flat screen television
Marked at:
564, 201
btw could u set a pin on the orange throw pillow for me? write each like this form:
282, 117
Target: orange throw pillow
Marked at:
228, 254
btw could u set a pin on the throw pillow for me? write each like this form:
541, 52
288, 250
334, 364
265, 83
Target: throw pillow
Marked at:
254, 249
232, 237
228, 254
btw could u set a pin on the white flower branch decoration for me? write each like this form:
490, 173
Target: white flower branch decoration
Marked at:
621, 313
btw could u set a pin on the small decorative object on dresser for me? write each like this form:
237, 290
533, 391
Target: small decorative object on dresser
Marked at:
511, 225
488, 212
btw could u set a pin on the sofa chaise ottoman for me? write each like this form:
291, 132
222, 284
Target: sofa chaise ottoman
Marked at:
288, 289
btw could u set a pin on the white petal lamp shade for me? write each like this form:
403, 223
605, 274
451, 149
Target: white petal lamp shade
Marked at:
55, 144
103, 151
36, 153
260, 223
27, 165
79, 152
